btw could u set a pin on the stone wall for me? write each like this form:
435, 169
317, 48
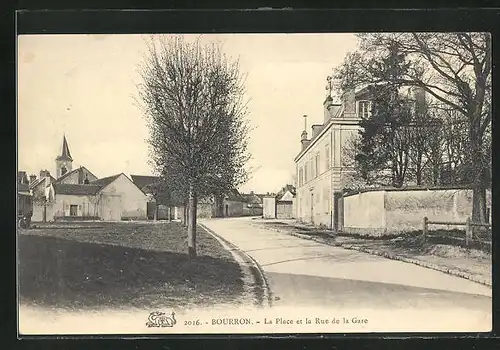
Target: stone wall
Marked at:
364, 212
205, 210
269, 211
233, 208
392, 211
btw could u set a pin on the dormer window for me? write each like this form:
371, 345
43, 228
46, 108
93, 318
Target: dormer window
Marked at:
364, 109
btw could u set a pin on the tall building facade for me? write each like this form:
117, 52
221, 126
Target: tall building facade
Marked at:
319, 166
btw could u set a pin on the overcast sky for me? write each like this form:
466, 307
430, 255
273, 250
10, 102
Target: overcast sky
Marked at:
83, 86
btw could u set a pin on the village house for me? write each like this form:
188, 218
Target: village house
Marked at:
323, 197
254, 204
80, 195
157, 208
280, 205
232, 204
24, 197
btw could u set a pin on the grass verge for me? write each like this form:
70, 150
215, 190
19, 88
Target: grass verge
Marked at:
95, 265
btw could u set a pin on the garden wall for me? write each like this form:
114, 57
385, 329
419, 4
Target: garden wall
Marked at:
392, 211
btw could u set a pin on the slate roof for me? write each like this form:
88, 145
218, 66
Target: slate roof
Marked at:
104, 181
235, 196
284, 190
35, 183
85, 189
252, 198
80, 170
144, 180
76, 189
65, 155
39, 180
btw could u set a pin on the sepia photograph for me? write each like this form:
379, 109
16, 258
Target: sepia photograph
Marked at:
265, 183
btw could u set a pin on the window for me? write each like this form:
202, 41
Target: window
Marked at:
73, 210
301, 175
364, 109
305, 172
316, 164
327, 157
326, 199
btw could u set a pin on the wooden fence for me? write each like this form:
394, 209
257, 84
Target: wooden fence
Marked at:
468, 227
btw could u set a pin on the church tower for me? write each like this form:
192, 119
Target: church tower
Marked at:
64, 162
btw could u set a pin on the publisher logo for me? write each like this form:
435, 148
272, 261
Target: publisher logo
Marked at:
161, 319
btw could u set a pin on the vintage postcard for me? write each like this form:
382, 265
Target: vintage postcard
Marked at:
254, 183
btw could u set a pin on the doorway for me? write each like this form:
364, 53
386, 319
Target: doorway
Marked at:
227, 210
73, 210
338, 212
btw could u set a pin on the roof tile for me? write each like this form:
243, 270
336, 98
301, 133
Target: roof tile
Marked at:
144, 180
76, 189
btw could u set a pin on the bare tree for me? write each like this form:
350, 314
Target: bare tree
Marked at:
425, 142
194, 101
454, 69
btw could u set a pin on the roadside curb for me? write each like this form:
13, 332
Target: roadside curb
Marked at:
248, 263
391, 256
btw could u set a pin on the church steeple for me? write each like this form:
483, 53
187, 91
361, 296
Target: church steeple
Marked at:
64, 162
65, 155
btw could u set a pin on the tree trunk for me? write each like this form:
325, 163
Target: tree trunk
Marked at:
184, 215
419, 170
479, 204
479, 183
192, 223
479, 198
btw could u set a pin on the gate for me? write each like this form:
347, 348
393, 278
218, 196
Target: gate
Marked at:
284, 210
150, 210
338, 212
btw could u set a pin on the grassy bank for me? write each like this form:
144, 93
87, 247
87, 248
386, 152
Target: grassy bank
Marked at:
96, 265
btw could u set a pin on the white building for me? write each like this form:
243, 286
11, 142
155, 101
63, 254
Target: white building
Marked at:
320, 173
77, 194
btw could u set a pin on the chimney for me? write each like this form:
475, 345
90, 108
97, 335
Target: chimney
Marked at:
315, 130
349, 102
420, 99
32, 178
303, 137
326, 107
44, 173
251, 192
